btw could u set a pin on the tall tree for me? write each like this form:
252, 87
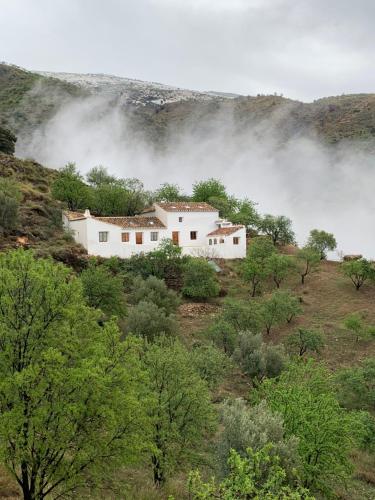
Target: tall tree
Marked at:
211, 188
305, 398
255, 267
278, 228
321, 241
70, 188
71, 394
181, 411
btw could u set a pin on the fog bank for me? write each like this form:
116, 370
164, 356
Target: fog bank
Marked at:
315, 185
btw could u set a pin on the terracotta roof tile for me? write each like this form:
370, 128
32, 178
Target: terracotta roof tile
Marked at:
186, 206
225, 231
133, 222
74, 215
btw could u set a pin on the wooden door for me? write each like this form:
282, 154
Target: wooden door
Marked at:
175, 237
139, 238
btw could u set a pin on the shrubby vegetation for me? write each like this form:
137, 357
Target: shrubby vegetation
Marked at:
305, 398
258, 359
78, 393
199, 280
255, 427
64, 419
181, 411
258, 475
10, 197
103, 290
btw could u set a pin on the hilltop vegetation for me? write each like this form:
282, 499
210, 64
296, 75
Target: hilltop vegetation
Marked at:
28, 100
180, 376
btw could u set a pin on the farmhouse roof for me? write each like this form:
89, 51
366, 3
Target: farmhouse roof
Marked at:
74, 215
133, 222
183, 206
225, 231
124, 222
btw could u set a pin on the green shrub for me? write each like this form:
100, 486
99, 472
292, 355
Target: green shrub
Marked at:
10, 197
103, 290
148, 320
153, 290
199, 280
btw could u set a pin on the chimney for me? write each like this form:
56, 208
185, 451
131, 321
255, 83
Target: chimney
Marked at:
87, 213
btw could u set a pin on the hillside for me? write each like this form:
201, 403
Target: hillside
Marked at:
326, 299
39, 221
28, 100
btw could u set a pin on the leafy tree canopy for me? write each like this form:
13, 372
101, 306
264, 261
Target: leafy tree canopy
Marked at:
359, 271
278, 228
305, 340
305, 398
181, 411
72, 403
321, 241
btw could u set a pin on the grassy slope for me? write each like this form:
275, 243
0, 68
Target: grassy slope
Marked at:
28, 100
39, 215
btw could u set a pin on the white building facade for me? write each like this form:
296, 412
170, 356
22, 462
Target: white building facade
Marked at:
194, 226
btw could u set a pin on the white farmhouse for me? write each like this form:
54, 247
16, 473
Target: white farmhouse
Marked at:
194, 226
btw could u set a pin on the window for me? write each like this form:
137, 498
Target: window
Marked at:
236, 240
193, 235
139, 238
103, 236
222, 240
154, 236
180, 219
125, 237
210, 241
215, 241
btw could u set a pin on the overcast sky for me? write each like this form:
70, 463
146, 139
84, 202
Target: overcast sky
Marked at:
302, 48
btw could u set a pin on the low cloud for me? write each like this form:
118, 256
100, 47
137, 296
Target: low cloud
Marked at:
316, 185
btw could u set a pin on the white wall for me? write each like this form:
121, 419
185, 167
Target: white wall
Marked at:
228, 250
87, 233
78, 228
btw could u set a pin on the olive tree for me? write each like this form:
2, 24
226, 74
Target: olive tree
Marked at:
279, 266
359, 271
278, 228
321, 241
254, 427
258, 359
305, 340
148, 320
279, 307
153, 290
307, 261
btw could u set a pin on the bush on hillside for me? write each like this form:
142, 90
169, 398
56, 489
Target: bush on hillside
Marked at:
10, 197
258, 359
199, 280
7, 141
103, 290
149, 321
153, 290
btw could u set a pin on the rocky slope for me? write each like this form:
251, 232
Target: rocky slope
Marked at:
28, 100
